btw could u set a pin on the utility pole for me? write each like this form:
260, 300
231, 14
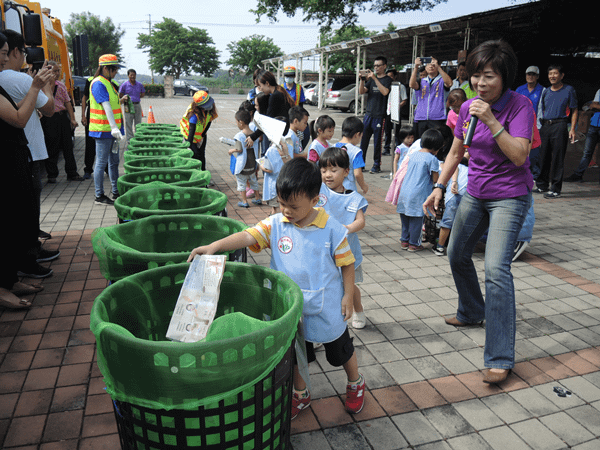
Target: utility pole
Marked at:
150, 34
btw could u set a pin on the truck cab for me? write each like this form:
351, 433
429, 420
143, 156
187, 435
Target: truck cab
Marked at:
44, 36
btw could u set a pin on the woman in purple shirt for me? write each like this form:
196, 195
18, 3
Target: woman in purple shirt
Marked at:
498, 196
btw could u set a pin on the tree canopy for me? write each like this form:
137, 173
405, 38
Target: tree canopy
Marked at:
103, 36
343, 61
328, 12
176, 50
247, 53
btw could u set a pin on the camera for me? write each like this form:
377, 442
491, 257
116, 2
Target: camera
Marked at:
426, 59
363, 73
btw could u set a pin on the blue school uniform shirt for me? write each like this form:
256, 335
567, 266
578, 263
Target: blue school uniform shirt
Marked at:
417, 184
318, 148
463, 178
238, 161
344, 207
307, 255
270, 179
355, 155
402, 150
295, 142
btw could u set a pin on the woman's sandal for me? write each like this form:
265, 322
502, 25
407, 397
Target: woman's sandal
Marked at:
20, 288
11, 301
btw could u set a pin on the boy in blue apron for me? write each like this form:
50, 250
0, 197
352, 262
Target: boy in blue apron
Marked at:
311, 248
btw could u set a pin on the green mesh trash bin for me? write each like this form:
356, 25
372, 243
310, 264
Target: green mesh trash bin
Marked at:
172, 162
178, 177
170, 127
160, 198
138, 245
151, 145
229, 391
165, 139
155, 133
154, 152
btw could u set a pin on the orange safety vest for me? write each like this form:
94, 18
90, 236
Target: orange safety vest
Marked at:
184, 126
98, 120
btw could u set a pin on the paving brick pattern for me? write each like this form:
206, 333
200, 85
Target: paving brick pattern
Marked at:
424, 387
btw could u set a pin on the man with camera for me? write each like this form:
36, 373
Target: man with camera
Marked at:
431, 90
377, 87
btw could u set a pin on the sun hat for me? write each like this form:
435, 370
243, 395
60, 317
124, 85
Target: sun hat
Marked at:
203, 100
533, 69
109, 60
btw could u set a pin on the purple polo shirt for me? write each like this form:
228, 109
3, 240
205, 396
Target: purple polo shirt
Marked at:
491, 174
432, 100
133, 90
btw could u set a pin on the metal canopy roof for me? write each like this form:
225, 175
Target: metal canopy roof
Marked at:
529, 28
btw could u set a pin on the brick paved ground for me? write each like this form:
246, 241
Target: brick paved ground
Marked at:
423, 377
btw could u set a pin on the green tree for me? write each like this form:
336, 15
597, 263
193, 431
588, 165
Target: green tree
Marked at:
328, 12
390, 28
177, 51
343, 61
103, 36
247, 53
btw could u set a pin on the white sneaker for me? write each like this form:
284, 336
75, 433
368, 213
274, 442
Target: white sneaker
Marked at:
359, 320
519, 248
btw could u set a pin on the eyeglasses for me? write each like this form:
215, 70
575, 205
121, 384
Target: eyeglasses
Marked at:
378, 65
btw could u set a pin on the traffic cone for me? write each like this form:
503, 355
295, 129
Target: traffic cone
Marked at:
151, 116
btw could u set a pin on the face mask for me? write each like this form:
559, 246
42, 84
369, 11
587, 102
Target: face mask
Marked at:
289, 80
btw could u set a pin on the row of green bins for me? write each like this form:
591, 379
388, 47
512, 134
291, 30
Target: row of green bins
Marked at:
178, 177
138, 245
140, 164
156, 132
165, 127
160, 199
156, 151
232, 390
139, 141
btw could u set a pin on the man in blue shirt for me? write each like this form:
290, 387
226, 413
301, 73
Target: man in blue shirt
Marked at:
558, 107
592, 137
532, 89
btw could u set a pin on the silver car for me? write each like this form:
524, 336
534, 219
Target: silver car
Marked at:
343, 99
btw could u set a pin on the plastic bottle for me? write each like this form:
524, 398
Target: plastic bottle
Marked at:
227, 141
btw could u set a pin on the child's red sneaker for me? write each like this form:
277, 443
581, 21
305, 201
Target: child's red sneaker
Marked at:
355, 396
299, 403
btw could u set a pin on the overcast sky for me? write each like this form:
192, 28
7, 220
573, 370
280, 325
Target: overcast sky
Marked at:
230, 20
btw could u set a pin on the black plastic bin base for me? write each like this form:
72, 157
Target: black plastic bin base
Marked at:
263, 415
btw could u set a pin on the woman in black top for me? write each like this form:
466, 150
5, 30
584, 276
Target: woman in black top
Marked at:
280, 101
20, 224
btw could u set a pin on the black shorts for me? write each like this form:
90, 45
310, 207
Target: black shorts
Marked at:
337, 352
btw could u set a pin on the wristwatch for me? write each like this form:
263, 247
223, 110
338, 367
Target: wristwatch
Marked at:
439, 185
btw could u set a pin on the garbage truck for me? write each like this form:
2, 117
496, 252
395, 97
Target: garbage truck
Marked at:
44, 36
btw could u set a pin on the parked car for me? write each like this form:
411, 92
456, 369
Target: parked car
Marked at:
188, 87
78, 87
344, 99
332, 84
309, 93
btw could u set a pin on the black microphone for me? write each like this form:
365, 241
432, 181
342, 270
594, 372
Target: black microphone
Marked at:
470, 131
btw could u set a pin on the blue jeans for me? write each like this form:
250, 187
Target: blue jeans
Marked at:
104, 156
534, 162
591, 140
412, 229
504, 217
